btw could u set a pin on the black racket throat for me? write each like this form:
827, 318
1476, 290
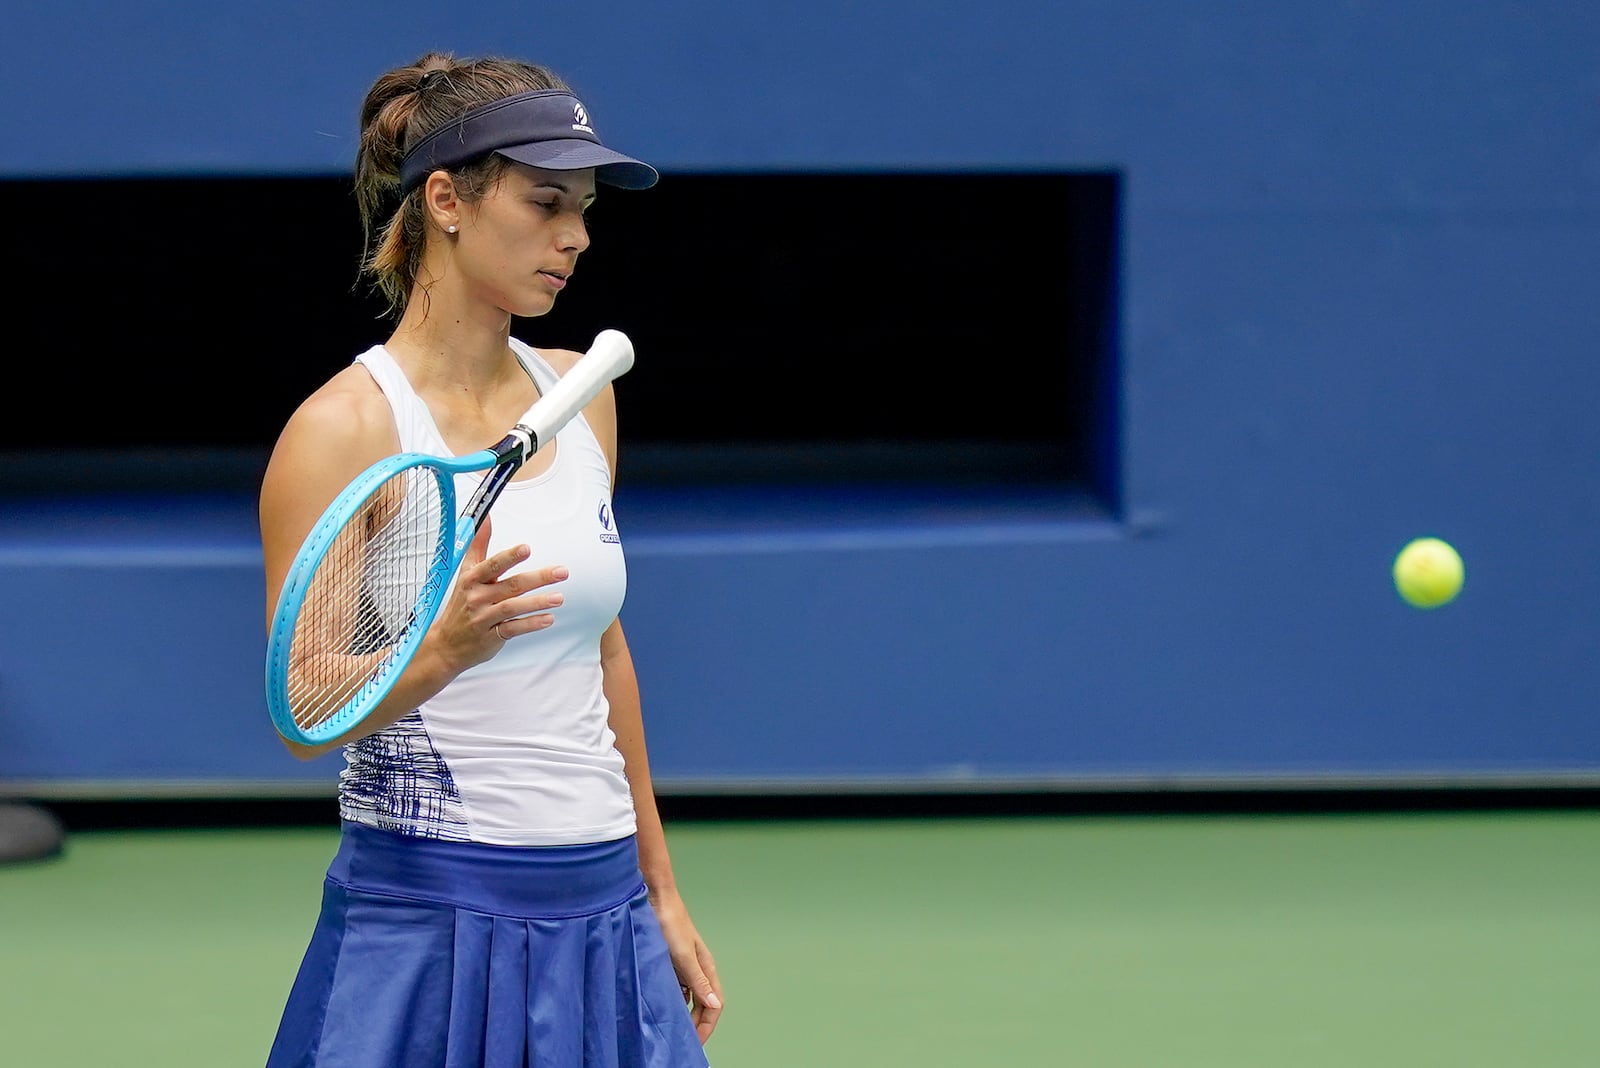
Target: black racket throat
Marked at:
517, 446
513, 451
488, 490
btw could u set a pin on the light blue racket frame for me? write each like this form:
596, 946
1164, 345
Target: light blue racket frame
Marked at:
455, 535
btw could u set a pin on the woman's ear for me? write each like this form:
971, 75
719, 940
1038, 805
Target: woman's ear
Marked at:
440, 202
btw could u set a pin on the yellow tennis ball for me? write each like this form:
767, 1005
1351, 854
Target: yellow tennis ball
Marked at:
1428, 572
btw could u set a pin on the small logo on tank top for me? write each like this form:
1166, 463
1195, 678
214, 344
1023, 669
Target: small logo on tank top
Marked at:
608, 533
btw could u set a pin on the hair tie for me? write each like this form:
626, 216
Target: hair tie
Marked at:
429, 78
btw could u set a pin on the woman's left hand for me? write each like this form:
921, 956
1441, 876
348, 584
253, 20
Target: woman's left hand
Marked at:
697, 972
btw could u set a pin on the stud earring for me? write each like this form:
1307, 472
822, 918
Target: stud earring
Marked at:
449, 229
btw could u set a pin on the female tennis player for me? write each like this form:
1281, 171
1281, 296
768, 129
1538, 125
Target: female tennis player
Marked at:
502, 892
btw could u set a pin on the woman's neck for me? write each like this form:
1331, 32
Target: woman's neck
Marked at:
442, 346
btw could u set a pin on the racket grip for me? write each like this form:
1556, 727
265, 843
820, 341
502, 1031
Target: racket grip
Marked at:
609, 357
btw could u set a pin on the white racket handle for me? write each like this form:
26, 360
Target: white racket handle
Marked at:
609, 357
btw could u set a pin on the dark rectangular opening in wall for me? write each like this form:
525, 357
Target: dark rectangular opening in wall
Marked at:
792, 329
802, 328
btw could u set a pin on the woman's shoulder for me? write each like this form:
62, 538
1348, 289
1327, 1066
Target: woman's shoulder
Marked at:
349, 412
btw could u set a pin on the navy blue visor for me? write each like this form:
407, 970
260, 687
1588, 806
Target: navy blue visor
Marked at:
546, 128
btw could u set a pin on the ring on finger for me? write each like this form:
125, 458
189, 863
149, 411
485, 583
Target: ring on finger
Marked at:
497, 633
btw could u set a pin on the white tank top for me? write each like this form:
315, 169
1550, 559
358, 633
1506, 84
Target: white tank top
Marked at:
516, 750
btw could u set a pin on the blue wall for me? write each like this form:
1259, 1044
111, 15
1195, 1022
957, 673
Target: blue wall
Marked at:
1361, 250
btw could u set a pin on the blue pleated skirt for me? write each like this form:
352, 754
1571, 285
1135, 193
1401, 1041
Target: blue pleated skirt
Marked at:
431, 954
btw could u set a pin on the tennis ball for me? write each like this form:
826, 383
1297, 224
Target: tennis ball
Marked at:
1428, 572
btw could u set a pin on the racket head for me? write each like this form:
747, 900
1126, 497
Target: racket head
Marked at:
362, 591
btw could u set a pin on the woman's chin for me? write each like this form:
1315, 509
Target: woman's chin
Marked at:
531, 308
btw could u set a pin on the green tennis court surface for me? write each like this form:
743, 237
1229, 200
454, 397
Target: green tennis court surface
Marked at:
1148, 941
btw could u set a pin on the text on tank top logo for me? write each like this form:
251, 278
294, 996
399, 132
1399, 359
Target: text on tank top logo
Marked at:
608, 533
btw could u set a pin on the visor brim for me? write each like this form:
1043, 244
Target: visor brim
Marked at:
610, 167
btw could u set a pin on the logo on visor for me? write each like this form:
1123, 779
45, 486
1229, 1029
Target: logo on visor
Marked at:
580, 119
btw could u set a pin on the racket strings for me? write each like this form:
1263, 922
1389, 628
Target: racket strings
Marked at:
359, 604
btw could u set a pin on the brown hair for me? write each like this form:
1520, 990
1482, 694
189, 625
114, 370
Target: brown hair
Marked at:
400, 109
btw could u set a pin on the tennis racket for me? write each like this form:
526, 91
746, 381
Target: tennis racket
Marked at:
372, 573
